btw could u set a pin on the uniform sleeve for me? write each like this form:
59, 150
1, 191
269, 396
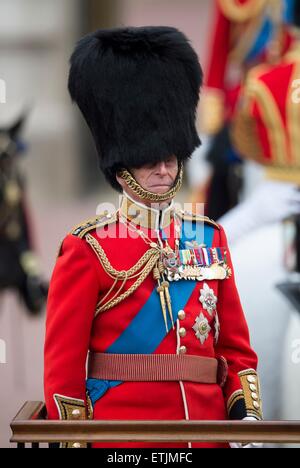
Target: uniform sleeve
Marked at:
213, 98
241, 390
73, 295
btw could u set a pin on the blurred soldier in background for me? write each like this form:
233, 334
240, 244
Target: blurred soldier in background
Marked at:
18, 263
245, 33
265, 130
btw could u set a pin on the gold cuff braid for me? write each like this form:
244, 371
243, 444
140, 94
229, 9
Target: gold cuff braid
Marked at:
252, 394
71, 409
150, 196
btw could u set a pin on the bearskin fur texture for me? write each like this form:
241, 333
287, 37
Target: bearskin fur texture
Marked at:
138, 89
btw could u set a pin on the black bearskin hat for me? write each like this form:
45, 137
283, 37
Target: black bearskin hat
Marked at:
138, 89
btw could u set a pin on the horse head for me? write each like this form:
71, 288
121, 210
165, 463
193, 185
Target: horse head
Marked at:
10, 142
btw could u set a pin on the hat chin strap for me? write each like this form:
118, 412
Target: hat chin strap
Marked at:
138, 190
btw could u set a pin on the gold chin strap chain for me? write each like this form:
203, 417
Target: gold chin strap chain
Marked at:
150, 196
151, 261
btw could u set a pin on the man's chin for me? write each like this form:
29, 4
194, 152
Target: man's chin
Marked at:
160, 190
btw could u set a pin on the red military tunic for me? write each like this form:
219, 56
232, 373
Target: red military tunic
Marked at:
234, 44
266, 123
136, 325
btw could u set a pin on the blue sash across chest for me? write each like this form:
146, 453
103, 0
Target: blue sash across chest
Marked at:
147, 330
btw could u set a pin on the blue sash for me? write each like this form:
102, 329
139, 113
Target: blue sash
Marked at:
266, 33
147, 330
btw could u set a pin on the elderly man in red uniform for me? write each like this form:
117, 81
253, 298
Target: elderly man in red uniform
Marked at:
146, 293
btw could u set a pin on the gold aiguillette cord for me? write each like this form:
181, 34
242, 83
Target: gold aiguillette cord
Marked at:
165, 284
164, 294
160, 289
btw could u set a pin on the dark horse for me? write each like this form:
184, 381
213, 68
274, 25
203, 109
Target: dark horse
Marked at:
18, 264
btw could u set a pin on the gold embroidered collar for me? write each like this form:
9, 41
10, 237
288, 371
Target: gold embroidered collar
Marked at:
144, 216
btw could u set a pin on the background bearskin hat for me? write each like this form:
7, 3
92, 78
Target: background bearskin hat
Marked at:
138, 89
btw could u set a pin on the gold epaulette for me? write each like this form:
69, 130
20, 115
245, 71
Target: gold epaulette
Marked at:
240, 12
100, 221
187, 216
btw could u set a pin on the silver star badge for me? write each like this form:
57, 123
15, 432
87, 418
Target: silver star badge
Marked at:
202, 328
208, 299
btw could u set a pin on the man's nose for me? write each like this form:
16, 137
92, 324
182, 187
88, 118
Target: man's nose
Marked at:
162, 169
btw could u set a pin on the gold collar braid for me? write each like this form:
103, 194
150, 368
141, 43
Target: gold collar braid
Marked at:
150, 196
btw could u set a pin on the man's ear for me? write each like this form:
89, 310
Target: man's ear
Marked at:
120, 181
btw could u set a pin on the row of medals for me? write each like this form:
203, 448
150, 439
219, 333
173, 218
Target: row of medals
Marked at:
175, 271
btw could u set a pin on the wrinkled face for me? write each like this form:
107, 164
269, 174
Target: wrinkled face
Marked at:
156, 178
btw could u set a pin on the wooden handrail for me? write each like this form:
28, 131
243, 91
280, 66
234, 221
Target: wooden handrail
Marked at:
29, 426
31, 411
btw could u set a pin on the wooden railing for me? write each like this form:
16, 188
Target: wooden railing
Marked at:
30, 426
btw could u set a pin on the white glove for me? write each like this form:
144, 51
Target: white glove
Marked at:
198, 169
253, 445
271, 202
